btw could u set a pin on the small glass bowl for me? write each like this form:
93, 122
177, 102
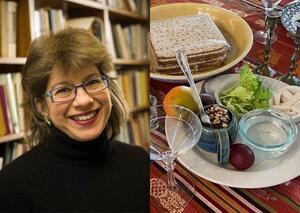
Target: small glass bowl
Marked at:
267, 132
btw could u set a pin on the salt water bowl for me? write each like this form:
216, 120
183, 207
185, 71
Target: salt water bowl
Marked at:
267, 132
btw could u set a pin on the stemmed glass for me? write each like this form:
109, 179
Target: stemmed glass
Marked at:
260, 36
175, 130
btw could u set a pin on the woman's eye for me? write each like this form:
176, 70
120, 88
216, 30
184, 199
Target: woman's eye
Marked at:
63, 91
94, 83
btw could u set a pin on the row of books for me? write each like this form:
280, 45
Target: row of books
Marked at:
48, 20
135, 86
10, 151
136, 6
11, 104
8, 27
136, 131
130, 41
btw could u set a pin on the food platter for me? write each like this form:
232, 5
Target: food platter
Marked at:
229, 24
263, 173
290, 14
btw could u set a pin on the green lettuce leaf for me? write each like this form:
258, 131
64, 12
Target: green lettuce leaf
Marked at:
248, 94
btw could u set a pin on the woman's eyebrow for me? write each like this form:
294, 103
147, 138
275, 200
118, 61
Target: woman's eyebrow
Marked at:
61, 83
91, 75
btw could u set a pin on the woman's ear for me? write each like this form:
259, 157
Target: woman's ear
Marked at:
43, 110
41, 107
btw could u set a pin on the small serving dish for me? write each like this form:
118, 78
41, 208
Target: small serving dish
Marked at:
267, 132
290, 13
224, 82
287, 101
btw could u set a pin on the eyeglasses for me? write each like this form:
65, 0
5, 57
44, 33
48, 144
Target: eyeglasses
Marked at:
67, 93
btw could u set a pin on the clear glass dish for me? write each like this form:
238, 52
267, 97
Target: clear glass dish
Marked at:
267, 132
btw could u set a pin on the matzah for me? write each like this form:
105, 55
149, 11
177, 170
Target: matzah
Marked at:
192, 58
195, 34
174, 69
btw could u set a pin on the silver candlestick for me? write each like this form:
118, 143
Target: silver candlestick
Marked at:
290, 77
265, 69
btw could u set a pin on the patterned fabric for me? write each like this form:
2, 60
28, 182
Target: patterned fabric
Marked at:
211, 197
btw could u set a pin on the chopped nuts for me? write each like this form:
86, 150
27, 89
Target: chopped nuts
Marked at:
219, 116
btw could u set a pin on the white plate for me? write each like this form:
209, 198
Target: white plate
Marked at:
263, 173
228, 23
290, 14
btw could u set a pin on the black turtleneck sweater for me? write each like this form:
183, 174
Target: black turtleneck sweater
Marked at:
63, 175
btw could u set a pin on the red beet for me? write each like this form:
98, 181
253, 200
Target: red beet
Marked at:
241, 156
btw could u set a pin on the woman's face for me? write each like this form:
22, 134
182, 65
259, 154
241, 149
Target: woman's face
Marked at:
86, 116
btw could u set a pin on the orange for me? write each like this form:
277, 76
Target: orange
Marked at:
182, 96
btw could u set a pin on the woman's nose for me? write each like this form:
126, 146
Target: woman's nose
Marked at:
82, 98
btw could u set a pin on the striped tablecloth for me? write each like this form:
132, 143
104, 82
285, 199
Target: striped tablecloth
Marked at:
211, 197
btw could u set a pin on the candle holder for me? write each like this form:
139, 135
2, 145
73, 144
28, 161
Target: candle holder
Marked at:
265, 69
290, 77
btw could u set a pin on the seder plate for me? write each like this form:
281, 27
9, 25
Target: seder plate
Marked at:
263, 173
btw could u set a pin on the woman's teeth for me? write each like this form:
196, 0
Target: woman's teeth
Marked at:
83, 117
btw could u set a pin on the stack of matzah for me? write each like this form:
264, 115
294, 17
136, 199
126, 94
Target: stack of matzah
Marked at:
197, 35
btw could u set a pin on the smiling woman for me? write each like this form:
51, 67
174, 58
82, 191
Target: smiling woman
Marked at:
81, 113
74, 113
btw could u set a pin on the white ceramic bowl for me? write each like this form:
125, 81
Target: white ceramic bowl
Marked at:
223, 82
287, 101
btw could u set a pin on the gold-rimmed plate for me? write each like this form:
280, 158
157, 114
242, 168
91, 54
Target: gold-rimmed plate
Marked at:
236, 31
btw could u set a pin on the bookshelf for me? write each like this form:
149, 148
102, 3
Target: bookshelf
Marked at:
11, 137
36, 17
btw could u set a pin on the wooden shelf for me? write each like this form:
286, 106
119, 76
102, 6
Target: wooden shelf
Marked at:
88, 3
139, 109
13, 61
11, 137
130, 62
128, 14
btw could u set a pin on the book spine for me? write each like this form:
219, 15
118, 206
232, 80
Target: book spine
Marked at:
17, 80
4, 106
1, 162
37, 23
13, 103
3, 129
12, 29
4, 28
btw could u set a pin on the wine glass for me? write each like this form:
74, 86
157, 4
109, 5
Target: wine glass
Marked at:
260, 36
176, 130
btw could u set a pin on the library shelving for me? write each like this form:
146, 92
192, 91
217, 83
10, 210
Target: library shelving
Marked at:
122, 25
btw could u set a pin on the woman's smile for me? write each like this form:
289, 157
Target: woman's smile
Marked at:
85, 118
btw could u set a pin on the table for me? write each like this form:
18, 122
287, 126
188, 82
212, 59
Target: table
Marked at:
211, 197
